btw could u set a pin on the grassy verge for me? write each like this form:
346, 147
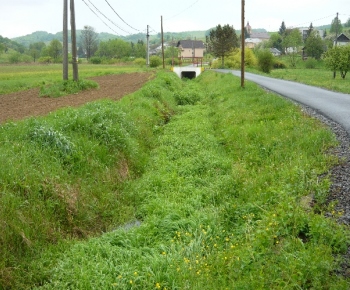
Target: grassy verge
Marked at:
22, 77
219, 200
318, 77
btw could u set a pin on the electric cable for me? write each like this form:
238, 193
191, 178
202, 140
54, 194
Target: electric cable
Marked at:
183, 10
120, 17
101, 19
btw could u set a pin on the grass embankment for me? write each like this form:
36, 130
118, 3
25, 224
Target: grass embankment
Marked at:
22, 77
220, 192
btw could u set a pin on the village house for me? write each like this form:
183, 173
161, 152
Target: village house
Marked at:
191, 48
342, 39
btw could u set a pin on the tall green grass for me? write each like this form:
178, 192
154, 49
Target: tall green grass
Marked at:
62, 178
220, 194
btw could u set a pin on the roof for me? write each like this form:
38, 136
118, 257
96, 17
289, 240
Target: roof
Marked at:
191, 44
343, 38
260, 35
253, 40
275, 50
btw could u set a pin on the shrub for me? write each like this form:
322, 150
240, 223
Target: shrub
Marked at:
277, 64
45, 59
265, 60
234, 59
95, 60
155, 61
140, 61
15, 57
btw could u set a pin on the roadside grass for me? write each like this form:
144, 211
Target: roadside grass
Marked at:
22, 77
318, 76
218, 198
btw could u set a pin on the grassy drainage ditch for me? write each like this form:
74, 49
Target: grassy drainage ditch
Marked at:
213, 175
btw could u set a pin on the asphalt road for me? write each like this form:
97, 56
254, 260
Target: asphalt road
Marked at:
335, 106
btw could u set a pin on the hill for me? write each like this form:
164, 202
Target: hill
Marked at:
43, 36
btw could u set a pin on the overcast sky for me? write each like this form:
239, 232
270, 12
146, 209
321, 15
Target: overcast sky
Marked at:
22, 17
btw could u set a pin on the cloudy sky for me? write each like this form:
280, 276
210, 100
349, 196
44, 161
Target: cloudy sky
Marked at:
22, 17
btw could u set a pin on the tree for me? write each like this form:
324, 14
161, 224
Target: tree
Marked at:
314, 45
291, 44
282, 29
223, 40
336, 26
309, 31
338, 59
275, 41
54, 49
347, 23
89, 41
115, 48
2, 47
35, 49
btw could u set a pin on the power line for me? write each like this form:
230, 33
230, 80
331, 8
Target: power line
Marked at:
108, 18
303, 24
121, 18
100, 18
183, 10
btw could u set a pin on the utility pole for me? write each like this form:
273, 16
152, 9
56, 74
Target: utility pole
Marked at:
242, 46
162, 41
147, 57
65, 40
336, 29
74, 42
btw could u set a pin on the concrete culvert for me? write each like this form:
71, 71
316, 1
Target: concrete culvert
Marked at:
188, 74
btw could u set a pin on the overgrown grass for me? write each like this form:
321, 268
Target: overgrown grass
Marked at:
62, 178
219, 199
66, 88
21, 77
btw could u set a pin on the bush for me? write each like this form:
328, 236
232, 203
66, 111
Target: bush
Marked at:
95, 60
277, 64
234, 59
140, 61
15, 57
155, 61
170, 61
265, 60
45, 59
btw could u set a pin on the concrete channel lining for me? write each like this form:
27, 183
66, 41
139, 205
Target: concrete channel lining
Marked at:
187, 72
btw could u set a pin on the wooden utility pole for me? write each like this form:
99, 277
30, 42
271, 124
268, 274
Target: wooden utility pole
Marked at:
336, 29
161, 18
74, 42
65, 40
147, 60
242, 45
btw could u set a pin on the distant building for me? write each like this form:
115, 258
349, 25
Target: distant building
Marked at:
275, 51
342, 39
305, 31
191, 48
254, 38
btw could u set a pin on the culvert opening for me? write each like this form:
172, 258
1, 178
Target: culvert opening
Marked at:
188, 74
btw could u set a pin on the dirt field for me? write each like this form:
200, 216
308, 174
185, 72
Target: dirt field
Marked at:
24, 104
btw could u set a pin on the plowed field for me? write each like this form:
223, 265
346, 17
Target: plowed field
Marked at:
24, 104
